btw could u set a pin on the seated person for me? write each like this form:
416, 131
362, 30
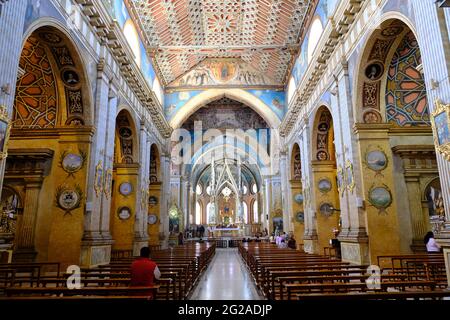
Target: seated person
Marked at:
144, 271
292, 243
283, 244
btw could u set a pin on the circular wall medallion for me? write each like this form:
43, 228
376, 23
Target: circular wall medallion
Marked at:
125, 188
372, 117
124, 213
152, 200
152, 219
69, 199
299, 198
322, 155
300, 216
323, 127
70, 77
325, 209
376, 160
125, 132
72, 162
374, 71
324, 185
380, 197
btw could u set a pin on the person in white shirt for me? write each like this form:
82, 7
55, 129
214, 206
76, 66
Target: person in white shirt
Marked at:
431, 244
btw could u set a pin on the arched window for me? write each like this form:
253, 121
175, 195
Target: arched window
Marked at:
245, 211
255, 212
291, 89
199, 189
198, 213
314, 36
254, 188
133, 40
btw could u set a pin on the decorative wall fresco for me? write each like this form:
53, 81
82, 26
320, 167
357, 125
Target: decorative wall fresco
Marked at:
275, 100
36, 95
406, 100
222, 71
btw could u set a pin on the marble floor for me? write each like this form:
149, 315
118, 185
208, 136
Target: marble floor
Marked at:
226, 278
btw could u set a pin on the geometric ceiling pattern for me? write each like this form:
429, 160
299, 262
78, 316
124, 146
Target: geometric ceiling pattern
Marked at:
182, 33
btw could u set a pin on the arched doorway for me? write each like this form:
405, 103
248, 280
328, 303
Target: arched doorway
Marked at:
49, 148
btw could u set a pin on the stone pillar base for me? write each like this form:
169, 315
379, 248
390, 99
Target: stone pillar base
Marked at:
311, 246
24, 255
355, 252
95, 253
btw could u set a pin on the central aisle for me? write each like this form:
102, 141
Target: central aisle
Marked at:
226, 279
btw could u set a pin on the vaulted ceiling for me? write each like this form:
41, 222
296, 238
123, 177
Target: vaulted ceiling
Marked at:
182, 33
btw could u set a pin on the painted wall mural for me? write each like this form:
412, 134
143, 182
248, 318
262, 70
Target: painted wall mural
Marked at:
222, 71
275, 100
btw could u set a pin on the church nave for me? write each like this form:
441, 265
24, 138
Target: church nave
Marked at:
226, 278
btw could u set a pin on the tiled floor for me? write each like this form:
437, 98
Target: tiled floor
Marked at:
226, 279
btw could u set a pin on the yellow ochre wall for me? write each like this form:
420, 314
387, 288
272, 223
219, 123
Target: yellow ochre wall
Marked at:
153, 230
123, 230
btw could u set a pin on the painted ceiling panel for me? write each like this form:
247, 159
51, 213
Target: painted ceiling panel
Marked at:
182, 33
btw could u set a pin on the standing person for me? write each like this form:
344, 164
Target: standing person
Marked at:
431, 244
202, 231
180, 239
144, 271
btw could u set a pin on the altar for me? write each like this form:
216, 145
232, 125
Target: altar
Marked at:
226, 232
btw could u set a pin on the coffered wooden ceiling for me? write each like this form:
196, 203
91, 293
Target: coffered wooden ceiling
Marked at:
182, 33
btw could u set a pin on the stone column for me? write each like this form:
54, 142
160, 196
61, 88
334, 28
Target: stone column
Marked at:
12, 19
432, 35
140, 230
310, 239
108, 159
285, 191
25, 250
96, 242
165, 198
267, 199
353, 235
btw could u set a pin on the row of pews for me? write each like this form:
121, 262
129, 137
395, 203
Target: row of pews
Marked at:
286, 274
180, 267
